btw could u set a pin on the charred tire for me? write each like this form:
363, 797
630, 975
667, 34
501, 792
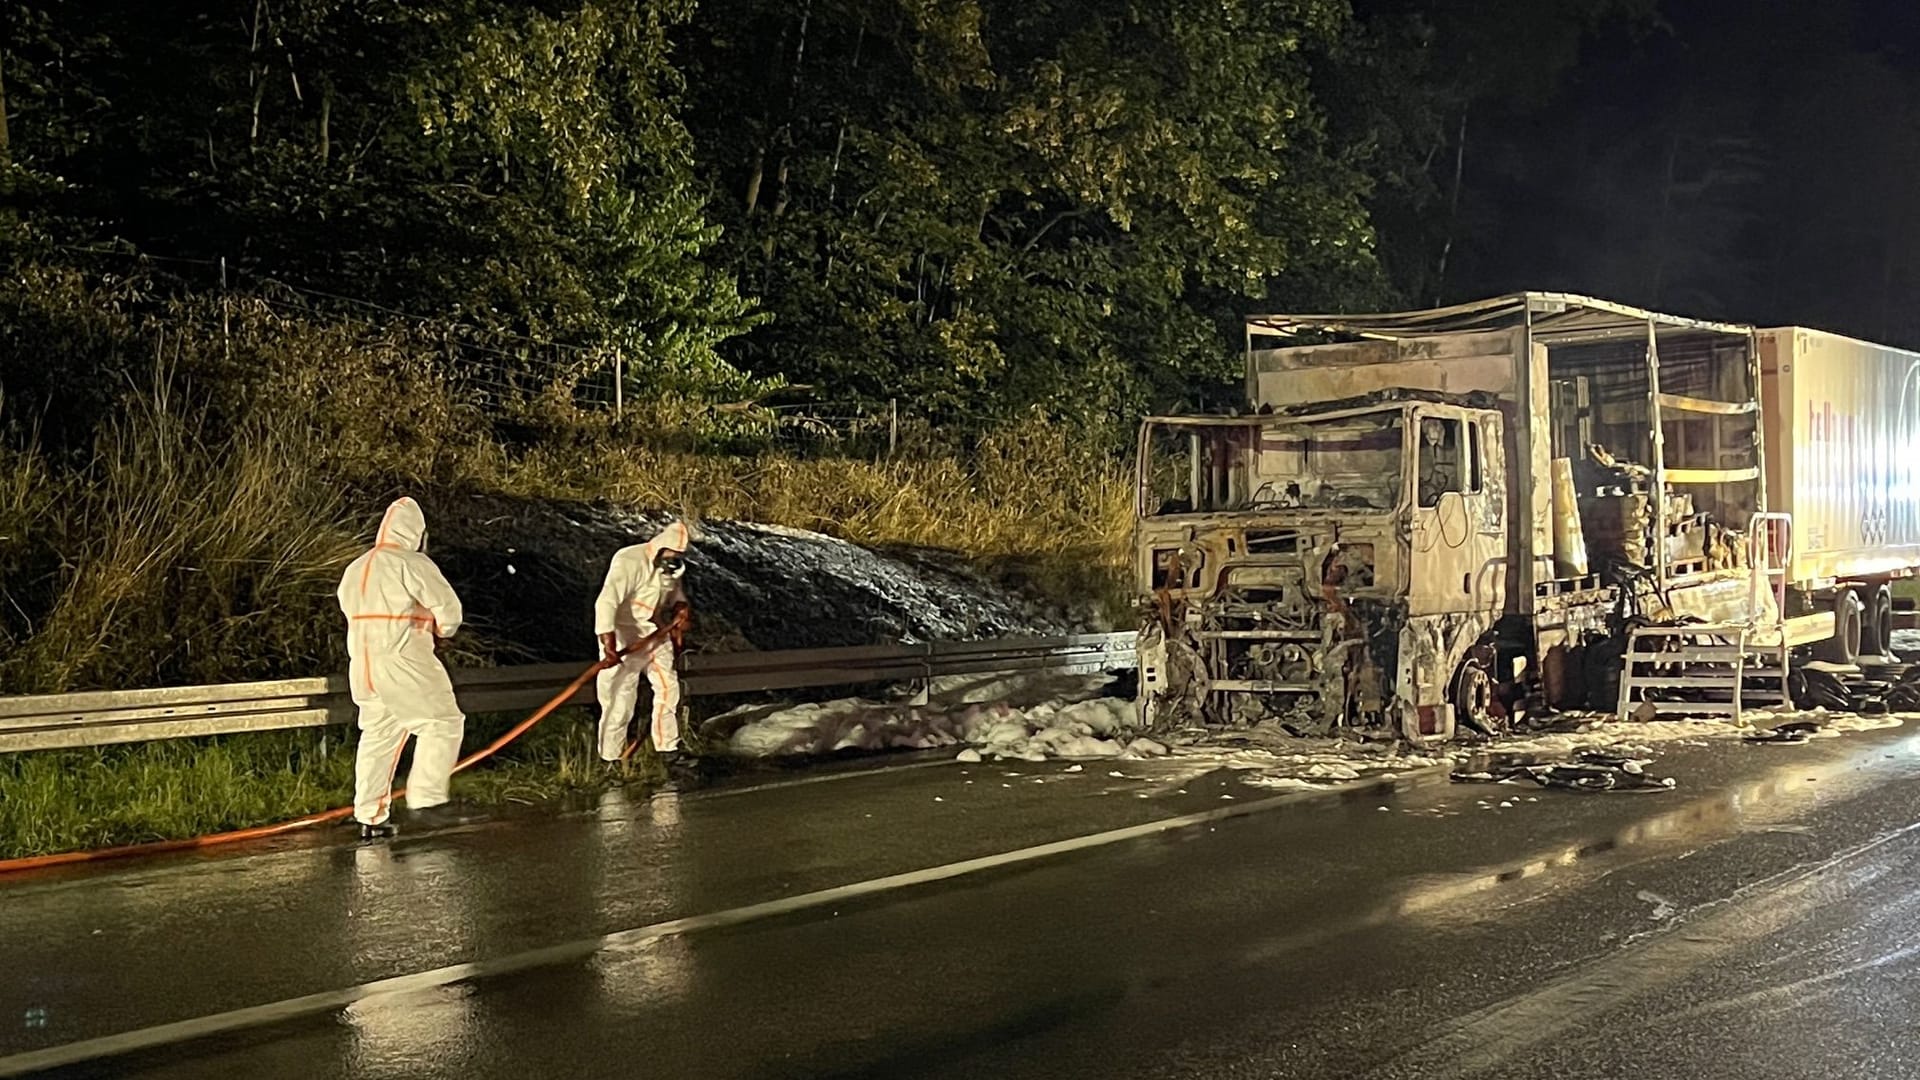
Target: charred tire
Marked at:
1602, 663
1798, 694
1844, 646
1473, 699
1876, 622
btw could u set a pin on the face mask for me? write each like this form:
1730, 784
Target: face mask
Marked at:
669, 564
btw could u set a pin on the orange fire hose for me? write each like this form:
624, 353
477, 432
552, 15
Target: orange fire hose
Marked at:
258, 832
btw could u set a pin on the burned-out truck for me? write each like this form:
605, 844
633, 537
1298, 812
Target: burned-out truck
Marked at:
1443, 518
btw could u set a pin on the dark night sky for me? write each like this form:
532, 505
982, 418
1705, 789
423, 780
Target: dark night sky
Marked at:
1750, 160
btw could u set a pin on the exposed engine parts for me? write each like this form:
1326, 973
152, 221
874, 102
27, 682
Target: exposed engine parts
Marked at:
1289, 644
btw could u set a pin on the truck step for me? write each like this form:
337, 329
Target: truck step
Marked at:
1722, 664
1700, 654
1709, 682
1681, 708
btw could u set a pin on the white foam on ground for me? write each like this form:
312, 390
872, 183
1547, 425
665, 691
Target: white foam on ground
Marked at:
1075, 722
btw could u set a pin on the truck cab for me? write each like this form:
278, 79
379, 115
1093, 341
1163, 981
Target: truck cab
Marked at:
1323, 567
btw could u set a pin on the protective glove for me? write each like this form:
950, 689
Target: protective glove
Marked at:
678, 622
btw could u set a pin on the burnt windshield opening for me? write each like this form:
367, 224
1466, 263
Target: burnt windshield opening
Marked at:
1349, 462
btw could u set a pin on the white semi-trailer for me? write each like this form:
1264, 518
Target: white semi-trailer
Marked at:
1843, 462
1435, 518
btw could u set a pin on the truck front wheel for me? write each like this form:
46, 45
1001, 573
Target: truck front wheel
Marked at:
1844, 646
1474, 703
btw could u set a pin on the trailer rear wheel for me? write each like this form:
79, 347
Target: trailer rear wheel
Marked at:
1876, 623
1844, 646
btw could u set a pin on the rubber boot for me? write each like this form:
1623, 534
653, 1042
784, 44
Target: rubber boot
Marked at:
382, 831
687, 771
446, 814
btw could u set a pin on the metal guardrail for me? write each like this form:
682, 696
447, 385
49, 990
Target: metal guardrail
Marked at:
98, 718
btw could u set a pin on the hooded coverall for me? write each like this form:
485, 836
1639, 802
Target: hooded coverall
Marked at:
397, 605
632, 604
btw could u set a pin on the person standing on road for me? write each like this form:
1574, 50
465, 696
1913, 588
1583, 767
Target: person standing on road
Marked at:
641, 603
399, 609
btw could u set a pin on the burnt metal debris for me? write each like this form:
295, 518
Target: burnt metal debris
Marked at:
1591, 770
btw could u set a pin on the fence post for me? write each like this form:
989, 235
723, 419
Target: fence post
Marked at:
226, 316
893, 425
619, 383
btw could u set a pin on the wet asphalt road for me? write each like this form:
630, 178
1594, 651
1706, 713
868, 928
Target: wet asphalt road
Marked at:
1754, 923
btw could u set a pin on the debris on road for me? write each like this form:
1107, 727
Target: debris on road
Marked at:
1590, 771
1799, 731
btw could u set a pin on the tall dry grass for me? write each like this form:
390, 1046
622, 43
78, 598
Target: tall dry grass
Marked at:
1034, 505
1024, 491
176, 553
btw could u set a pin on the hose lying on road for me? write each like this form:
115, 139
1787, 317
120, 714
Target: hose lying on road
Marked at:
339, 813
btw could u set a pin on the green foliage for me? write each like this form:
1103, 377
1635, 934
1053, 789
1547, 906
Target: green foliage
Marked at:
973, 207
985, 207
513, 167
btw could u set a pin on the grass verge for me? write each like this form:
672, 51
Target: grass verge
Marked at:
75, 800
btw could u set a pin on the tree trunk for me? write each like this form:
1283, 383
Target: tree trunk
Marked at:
783, 138
833, 173
326, 118
6, 140
780, 192
259, 91
256, 72
799, 57
754, 177
1453, 209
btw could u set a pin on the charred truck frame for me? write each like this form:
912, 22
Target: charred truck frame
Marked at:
1434, 518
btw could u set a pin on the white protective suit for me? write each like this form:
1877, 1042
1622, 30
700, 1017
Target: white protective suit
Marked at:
397, 604
626, 608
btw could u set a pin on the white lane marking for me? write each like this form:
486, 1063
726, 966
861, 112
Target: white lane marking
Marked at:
54, 1057
1498, 1033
